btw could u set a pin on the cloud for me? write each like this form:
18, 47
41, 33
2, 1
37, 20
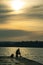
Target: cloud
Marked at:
38, 6
4, 9
13, 33
4, 19
4, 13
37, 11
20, 35
34, 12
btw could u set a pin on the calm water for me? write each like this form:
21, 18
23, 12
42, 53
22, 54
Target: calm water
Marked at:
30, 53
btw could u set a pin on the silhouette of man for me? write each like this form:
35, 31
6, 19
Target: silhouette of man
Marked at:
18, 53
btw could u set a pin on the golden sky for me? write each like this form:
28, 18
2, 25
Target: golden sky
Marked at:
22, 16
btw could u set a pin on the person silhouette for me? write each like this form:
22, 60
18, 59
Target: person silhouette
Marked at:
18, 53
12, 55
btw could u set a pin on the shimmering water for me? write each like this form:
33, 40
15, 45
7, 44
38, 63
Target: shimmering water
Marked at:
35, 54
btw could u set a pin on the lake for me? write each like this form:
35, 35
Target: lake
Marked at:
35, 54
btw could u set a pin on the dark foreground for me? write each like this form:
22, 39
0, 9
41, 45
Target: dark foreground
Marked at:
17, 61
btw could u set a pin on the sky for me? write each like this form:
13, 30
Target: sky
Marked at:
21, 20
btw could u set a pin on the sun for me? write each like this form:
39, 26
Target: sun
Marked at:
17, 4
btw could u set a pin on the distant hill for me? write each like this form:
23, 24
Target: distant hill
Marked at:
22, 44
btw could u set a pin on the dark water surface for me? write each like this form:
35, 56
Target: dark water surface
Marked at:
35, 54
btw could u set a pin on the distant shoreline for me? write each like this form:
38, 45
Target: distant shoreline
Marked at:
31, 44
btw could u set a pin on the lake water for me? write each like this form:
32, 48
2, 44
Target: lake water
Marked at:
35, 54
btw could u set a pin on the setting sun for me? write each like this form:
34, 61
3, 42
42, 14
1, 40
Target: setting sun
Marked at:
17, 4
